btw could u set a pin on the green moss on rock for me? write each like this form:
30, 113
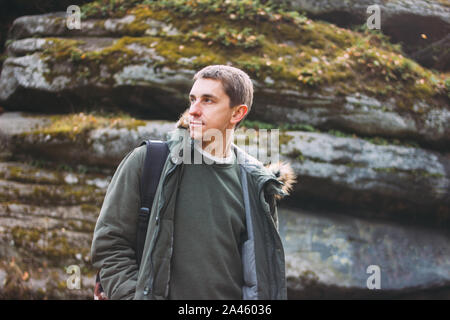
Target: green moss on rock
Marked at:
75, 126
29, 175
23, 236
263, 39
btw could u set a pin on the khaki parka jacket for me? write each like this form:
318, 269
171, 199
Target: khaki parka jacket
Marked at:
113, 245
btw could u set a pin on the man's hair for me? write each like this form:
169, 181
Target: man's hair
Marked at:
236, 84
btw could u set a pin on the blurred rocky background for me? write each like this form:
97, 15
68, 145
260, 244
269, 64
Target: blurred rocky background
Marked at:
363, 118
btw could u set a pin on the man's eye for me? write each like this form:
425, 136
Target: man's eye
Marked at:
208, 100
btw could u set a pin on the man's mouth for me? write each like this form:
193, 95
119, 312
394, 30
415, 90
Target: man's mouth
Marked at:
195, 123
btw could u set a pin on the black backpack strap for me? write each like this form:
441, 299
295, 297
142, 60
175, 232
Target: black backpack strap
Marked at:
156, 156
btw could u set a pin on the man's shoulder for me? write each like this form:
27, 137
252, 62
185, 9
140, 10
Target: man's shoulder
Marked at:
138, 153
251, 164
278, 178
134, 159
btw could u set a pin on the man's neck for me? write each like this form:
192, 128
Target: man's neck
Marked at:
223, 152
214, 159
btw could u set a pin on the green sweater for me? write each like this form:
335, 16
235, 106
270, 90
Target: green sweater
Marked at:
209, 228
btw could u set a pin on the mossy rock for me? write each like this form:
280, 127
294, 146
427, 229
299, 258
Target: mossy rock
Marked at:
304, 70
413, 24
92, 142
388, 181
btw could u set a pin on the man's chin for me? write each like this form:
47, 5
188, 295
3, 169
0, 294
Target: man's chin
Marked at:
196, 133
196, 136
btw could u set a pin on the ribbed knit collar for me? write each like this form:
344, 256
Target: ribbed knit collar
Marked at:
213, 159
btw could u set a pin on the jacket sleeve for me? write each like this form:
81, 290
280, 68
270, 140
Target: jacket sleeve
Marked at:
113, 244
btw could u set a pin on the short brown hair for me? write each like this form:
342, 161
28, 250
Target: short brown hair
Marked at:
236, 84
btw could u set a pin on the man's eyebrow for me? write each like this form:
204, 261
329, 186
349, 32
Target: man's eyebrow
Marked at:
206, 95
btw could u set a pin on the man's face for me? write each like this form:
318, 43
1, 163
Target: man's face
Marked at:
210, 109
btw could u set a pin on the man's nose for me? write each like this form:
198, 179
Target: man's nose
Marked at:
195, 109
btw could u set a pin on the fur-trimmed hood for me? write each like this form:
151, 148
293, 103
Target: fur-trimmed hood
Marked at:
282, 171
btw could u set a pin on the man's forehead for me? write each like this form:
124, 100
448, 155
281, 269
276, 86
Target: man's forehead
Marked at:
207, 87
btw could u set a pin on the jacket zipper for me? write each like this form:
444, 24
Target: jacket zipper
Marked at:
150, 284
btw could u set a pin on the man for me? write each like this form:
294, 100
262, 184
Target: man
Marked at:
212, 232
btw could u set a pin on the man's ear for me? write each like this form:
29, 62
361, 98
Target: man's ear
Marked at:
239, 113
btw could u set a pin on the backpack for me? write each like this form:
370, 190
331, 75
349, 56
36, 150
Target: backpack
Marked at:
149, 181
